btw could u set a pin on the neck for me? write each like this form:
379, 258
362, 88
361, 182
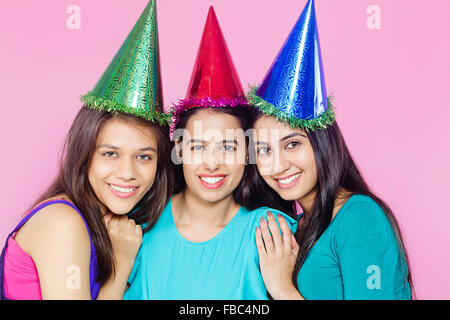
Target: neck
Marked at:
307, 201
194, 210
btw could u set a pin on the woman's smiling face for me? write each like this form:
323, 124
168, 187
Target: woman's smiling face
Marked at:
124, 164
285, 159
213, 152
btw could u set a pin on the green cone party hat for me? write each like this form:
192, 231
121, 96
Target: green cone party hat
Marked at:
132, 81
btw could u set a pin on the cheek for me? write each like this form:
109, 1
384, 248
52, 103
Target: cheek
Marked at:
148, 173
192, 157
236, 158
306, 162
303, 158
310, 161
98, 170
313, 176
264, 165
268, 179
237, 171
189, 171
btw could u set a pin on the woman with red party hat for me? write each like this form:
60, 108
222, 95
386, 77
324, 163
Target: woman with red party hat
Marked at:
203, 246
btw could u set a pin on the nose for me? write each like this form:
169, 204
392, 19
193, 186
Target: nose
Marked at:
280, 164
126, 169
273, 165
211, 160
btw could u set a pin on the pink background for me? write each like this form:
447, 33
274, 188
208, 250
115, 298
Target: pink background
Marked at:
391, 88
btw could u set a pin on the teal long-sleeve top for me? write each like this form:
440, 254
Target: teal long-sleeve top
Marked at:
356, 258
226, 267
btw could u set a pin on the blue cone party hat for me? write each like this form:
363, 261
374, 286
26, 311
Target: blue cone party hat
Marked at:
293, 90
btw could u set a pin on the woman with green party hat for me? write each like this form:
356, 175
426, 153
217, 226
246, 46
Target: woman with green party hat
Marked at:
203, 246
77, 241
349, 243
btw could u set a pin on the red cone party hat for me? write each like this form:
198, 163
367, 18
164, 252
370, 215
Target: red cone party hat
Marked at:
214, 80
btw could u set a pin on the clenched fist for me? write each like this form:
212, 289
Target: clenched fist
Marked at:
126, 238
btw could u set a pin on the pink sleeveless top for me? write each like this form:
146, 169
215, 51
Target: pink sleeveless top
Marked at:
21, 276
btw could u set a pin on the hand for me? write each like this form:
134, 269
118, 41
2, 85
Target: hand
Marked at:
126, 238
277, 256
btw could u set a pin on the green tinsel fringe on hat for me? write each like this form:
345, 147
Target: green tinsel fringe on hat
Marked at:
324, 120
97, 103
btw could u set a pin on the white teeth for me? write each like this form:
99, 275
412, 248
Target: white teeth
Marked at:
289, 180
211, 180
124, 190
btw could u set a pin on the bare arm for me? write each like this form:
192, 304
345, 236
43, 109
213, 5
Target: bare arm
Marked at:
60, 248
58, 241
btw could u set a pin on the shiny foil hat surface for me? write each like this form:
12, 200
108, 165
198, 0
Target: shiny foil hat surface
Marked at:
293, 90
132, 82
214, 80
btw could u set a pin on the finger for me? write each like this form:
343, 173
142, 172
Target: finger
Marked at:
123, 222
131, 224
295, 246
274, 230
107, 218
267, 238
260, 244
113, 222
286, 233
138, 230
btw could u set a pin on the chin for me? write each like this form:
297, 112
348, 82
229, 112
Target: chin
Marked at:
287, 195
213, 196
120, 209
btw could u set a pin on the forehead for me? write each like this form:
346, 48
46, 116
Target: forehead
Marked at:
207, 124
268, 128
124, 133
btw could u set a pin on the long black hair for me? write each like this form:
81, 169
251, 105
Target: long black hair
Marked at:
336, 171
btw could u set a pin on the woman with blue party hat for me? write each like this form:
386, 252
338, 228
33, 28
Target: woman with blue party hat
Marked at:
349, 243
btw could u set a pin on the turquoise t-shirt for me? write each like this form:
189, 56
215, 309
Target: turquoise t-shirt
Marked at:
356, 258
226, 267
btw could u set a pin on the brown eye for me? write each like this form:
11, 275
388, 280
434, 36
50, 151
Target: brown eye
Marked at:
110, 154
197, 148
263, 151
144, 157
292, 145
228, 148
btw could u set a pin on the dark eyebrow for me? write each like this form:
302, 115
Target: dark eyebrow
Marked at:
148, 149
195, 140
296, 134
230, 141
109, 146
223, 141
259, 143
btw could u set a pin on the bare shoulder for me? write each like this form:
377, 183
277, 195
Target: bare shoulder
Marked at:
59, 216
57, 240
56, 224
